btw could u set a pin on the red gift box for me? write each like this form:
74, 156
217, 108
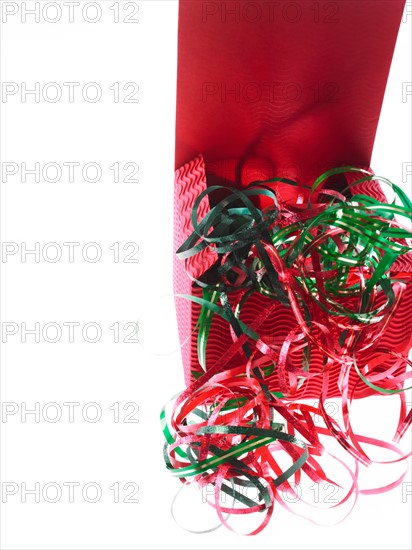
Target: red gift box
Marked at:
277, 89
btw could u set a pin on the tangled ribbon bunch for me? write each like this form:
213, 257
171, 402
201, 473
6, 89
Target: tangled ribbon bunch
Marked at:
326, 261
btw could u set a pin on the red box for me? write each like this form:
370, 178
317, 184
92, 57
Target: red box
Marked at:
282, 89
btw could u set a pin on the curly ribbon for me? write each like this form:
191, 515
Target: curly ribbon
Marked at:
329, 260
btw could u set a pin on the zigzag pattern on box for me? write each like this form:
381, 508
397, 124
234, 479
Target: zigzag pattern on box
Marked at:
190, 181
369, 188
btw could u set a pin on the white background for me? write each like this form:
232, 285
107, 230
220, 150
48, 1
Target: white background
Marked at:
106, 292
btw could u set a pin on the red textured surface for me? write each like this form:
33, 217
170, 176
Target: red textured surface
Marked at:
338, 66
190, 181
301, 95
